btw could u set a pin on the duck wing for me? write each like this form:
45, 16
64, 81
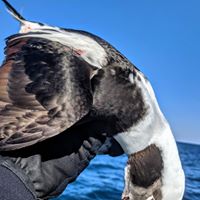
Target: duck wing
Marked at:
44, 89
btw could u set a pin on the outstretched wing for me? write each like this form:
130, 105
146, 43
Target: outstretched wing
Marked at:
44, 89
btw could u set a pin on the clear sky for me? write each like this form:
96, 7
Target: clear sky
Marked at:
162, 38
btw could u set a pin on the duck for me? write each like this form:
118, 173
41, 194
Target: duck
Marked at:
56, 78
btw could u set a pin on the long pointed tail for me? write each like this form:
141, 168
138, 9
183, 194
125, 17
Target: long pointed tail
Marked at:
13, 12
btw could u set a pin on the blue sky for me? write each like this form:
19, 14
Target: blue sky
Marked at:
162, 38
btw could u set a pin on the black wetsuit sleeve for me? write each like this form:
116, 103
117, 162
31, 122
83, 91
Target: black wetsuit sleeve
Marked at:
12, 188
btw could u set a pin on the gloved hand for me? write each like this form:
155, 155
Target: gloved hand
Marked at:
48, 167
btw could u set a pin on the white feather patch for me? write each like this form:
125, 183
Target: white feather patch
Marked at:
93, 53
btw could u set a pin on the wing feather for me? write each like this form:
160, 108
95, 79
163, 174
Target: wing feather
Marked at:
44, 89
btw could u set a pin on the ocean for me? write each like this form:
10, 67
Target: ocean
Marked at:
104, 177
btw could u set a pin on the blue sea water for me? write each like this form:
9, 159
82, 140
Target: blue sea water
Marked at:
103, 179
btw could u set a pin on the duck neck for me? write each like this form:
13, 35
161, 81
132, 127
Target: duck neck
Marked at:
173, 180
154, 129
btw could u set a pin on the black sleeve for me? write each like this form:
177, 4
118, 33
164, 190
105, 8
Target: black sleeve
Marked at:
12, 188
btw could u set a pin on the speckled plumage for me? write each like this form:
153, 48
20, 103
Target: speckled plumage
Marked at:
44, 90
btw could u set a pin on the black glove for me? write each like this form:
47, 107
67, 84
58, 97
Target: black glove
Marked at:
48, 167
